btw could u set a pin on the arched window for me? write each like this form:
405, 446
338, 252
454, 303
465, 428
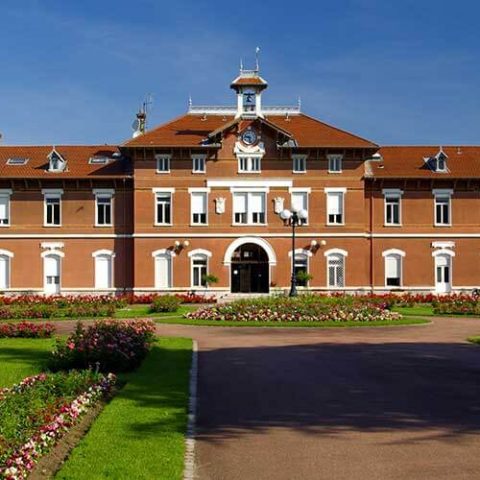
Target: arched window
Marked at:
393, 267
52, 267
103, 268
5, 257
199, 266
336, 267
301, 266
163, 268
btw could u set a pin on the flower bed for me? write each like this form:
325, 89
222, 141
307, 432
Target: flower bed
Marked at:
26, 330
148, 299
110, 345
307, 308
36, 413
456, 306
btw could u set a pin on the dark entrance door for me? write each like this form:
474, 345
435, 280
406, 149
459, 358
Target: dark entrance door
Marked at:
249, 269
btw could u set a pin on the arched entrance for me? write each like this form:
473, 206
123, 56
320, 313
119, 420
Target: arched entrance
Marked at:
249, 269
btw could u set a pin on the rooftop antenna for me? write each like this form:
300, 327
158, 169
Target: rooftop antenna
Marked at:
257, 63
140, 123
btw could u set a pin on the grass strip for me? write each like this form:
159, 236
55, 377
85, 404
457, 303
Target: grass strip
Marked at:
140, 433
22, 357
474, 340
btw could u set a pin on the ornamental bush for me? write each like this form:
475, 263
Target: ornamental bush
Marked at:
306, 308
26, 330
456, 306
35, 413
165, 303
108, 345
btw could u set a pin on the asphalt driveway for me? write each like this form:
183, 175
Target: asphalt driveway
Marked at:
364, 403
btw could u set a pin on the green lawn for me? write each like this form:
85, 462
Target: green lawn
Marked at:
474, 340
22, 357
178, 320
140, 433
417, 310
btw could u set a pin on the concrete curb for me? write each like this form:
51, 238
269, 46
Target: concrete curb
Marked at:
189, 471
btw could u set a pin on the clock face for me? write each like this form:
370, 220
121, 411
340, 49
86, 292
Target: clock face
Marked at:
249, 137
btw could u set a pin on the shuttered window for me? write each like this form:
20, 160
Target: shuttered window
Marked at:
4, 272
249, 208
393, 270
299, 201
335, 208
4, 209
199, 208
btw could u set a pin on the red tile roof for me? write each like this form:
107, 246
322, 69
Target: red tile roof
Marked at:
191, 130
77, 158
248, 81
408, 162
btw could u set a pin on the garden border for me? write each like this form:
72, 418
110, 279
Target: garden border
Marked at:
189, 471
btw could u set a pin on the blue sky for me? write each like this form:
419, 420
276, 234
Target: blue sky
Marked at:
403, 72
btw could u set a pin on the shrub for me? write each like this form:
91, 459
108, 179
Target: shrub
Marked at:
165, 303
110, 345
26, 330
310, 308
209, 278
456, 306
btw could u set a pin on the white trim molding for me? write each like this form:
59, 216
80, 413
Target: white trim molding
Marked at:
199, 190
443, 244
335, 251
200, 251
442, 191
103, 251
52, 191
163, 190
58, 253
249, 183
164, 251
335, 189
272, 258
6, 253
393, 251
300, 190
392, 191
103, 191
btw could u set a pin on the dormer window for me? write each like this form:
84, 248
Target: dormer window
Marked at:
438, 163
441, 165
56, 162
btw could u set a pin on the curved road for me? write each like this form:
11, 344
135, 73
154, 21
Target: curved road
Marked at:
337, 404
386, 403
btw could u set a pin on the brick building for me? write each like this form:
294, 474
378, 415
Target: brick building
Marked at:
203, 192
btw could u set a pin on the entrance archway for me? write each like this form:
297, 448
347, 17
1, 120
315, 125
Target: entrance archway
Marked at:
249, 269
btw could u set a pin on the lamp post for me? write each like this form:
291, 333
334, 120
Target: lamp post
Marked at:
293, 217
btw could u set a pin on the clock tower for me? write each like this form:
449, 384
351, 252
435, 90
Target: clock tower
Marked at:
249, 86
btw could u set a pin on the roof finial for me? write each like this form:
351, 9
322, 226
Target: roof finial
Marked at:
189, 101
241, 65
299, 102
257, 64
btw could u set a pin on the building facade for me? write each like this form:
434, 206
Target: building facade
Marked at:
202, 194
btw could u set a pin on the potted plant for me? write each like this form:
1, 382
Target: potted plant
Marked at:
209, 279
303, 278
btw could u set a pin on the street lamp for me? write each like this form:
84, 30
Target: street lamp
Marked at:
293, 217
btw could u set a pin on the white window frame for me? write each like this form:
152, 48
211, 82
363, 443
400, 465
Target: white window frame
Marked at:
336, 191
305, 254
202, 158
6, 194
303, 190
335, 161
336, 252
106, 193
165, 159
50, 193
392, 193
199, 254
399, 255
248, 193
249, 159
7, 255
53, 252
442, 193
111, 255
158, 192
299, 161
205, 192
450, 254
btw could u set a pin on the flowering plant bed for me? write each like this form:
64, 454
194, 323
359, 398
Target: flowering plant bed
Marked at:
110, 345
306, 308
148, 299
456, 306
26, 330
37, 412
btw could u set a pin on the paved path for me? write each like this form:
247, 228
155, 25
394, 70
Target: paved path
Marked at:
337, 404
394, 403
